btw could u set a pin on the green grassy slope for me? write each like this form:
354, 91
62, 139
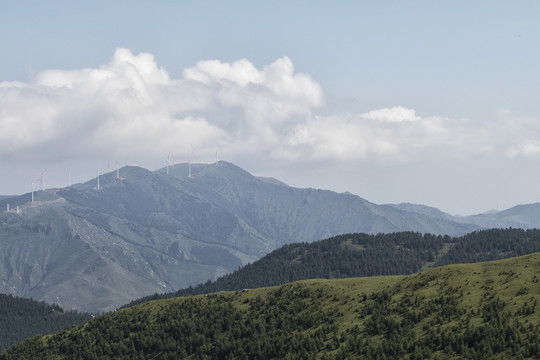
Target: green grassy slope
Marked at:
482, 310
357, 255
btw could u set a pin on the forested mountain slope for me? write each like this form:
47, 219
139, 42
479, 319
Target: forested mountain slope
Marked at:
358, 255
21, 318
468, 311
143, 232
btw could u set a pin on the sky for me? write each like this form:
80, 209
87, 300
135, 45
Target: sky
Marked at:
426, 102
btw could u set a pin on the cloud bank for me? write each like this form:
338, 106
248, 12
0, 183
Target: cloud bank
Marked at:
132, 107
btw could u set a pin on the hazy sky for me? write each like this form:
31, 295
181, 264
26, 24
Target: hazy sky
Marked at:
431, 102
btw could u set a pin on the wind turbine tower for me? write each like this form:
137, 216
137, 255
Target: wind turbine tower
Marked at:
169, 162
32, 192
190, 161
218, 159
97, 188
42, 181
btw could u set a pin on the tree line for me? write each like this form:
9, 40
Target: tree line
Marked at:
360, 255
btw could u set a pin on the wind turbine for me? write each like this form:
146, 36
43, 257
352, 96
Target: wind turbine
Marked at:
220, 158
169, 162
97, 187
41, 181
190, 161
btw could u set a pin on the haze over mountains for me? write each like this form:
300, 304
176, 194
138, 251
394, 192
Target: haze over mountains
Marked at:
148, 232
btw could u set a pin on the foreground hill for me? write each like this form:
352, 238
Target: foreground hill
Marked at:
472, 311
21, 318
143, 232
359, 255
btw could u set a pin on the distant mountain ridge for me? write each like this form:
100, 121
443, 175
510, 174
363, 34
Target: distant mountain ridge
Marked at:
424, 210
526, 216
148, 232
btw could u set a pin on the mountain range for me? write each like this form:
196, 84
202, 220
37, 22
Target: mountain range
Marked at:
140, 232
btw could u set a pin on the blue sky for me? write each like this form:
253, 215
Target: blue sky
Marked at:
419, 101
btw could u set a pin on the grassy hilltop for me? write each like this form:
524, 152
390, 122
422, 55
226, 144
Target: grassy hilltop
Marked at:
482, 310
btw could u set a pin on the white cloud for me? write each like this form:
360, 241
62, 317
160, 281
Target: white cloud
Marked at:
519, 135
267, 98
399, 135
394, 134
241, 72
132, 107
527, 149
395, 114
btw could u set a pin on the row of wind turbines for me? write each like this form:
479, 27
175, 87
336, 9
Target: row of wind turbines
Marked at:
42, 180
219, 157
169, 164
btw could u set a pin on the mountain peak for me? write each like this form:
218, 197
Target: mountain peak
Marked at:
220, 168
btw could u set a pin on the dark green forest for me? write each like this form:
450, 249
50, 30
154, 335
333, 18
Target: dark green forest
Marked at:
469, 311
491, 244
359, 255
21, 318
